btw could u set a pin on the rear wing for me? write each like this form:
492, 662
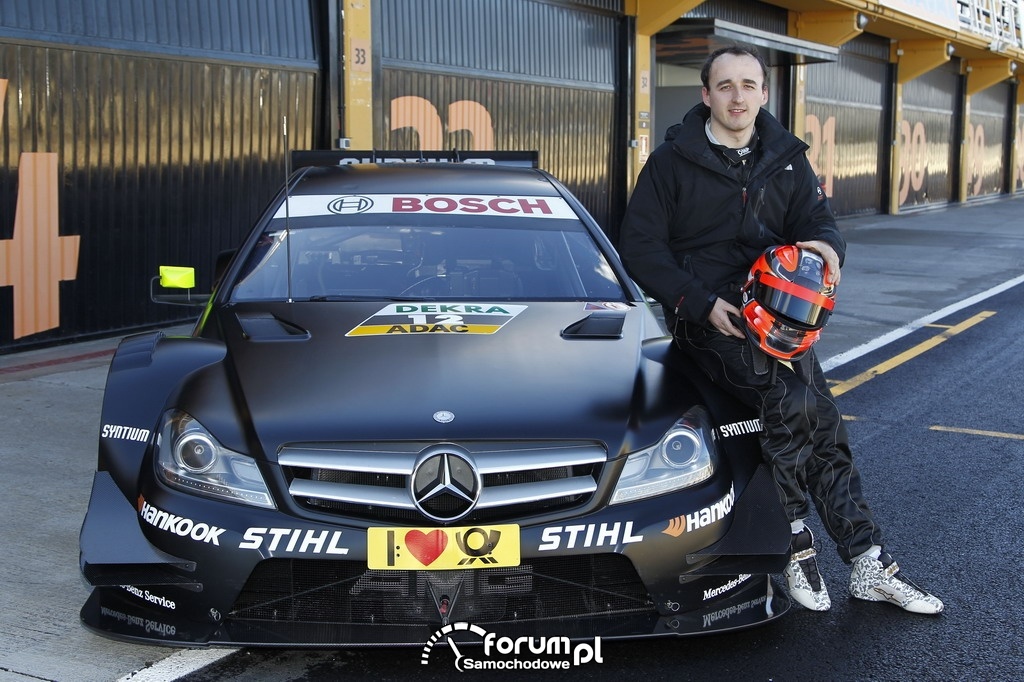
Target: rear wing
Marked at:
344, 157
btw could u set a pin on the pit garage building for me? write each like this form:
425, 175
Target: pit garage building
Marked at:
135, 133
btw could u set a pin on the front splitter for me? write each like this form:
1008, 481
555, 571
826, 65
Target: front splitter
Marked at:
113, 613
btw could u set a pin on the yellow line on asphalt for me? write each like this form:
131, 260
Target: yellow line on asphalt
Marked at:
976, 432
892, 363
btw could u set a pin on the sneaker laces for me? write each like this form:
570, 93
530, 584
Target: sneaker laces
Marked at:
890, 569
802, 552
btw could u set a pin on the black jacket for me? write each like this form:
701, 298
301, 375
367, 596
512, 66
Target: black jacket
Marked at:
693, 228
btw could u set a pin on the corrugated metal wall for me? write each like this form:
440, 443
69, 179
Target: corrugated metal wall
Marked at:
571, 127
847, 125
524, 40
929, 137
759, 15
275, 31
987, 151
523, 75
159, 159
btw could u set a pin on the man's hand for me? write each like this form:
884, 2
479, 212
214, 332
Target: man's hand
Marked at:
824, 250
720, 320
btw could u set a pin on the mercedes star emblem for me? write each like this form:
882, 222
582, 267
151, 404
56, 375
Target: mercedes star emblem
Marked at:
445, 486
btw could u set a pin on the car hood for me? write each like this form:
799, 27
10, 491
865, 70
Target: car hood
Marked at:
344, 371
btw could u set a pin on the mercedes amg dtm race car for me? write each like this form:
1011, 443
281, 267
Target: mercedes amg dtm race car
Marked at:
422, 394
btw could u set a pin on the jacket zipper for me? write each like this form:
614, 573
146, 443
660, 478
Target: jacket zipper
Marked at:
745, 177
760, 198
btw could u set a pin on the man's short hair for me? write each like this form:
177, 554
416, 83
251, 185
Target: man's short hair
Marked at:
737, 50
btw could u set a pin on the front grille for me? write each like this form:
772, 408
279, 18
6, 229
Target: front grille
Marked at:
372, 483
342, 592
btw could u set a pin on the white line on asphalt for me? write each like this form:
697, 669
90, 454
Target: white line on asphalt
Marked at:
177, 665
875, 344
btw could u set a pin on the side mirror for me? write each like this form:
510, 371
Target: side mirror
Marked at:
177, 277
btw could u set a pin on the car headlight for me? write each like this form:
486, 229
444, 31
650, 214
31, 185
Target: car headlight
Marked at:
685, 456
189, 458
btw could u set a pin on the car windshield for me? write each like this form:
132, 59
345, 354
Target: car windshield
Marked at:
458, 258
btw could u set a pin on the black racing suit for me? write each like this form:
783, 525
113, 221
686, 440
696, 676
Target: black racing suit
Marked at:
694, 225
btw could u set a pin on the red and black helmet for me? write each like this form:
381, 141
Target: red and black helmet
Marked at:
787, 300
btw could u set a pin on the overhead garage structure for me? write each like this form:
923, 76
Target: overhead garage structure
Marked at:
856, 81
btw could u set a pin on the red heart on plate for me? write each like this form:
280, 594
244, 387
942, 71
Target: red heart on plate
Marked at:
426, 547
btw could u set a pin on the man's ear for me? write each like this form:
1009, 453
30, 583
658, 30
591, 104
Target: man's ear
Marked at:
704, 96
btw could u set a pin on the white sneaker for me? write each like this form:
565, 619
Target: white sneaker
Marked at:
881, 580
805, 584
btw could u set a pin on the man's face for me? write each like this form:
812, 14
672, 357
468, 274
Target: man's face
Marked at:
735, 93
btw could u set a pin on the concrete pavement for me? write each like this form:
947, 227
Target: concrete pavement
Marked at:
903, 271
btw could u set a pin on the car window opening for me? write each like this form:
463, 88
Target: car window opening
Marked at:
337, 262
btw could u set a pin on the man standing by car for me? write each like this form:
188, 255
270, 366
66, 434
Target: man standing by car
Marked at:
732, 183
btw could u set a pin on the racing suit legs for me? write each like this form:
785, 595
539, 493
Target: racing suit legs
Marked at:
805, 442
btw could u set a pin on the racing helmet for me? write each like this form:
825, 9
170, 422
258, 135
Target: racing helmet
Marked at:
787, 301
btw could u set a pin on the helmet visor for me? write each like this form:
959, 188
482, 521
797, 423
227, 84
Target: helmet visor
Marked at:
798, 305
787, 343
774, 336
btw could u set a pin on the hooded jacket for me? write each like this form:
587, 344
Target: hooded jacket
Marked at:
693, 226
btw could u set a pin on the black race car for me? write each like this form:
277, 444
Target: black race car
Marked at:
422, 394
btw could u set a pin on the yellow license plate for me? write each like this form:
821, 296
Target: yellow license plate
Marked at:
442, 548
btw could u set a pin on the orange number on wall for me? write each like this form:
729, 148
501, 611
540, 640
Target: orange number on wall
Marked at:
822, 152
975, 160
1020, 150
913, 158
36, 259
420, 115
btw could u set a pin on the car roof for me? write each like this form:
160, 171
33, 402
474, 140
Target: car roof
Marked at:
424, 178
